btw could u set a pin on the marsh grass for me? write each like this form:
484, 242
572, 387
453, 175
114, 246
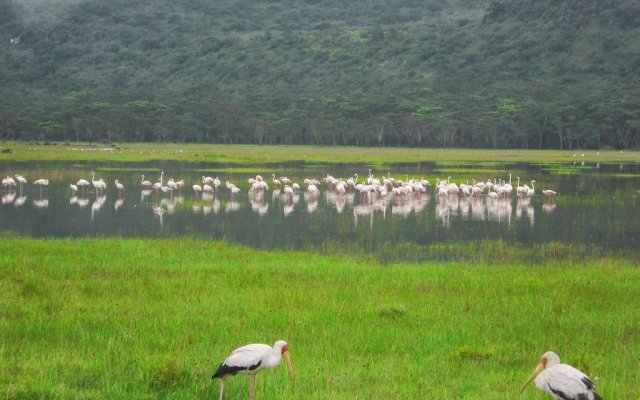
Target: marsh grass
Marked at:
139, 319
254, 154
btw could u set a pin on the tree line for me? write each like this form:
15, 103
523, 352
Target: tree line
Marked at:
439, 73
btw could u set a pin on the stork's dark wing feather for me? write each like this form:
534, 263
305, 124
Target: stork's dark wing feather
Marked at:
246, 358
567, 383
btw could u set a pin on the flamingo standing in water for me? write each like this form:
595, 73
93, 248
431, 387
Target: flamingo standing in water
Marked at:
82, 183
21, 180
158, 185
120, 187
145, 184
41, 183
9, 183
197, 189
276, 182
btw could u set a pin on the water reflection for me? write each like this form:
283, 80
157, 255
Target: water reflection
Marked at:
40, 203
548, 208
8, 198
20, 201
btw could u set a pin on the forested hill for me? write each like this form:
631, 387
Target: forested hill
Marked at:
472, 73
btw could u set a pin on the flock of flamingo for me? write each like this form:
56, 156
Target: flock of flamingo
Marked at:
488, 199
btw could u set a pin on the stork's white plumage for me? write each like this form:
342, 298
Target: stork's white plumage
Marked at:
561, 381
250, 360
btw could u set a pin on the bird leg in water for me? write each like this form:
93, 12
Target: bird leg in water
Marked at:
221, 387
252, 386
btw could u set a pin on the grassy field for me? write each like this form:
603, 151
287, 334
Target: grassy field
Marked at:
253, 154
145, 319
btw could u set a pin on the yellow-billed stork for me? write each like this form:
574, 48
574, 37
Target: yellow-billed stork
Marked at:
250, 360
561, 381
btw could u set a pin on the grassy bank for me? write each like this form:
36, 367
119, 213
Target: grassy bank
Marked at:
276, 154
133, 319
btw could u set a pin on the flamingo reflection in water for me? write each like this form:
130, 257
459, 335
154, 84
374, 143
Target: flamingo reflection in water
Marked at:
97, 205
312, 203
8, 198
83, 202
118, 203
232, 206
548, 208
288, 209
41, 203
20, 201
258, 203
211, 207
524, 204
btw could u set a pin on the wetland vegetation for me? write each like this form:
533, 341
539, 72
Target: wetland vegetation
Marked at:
139, 318
254, 155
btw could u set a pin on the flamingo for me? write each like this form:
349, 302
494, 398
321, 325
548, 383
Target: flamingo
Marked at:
179, 185
21, 180
82, 183
41, 183
312, 189
99, 184
353, 181
276, 182
144, 183
549, 192
288, 191
120, 187
197, 189
158, 185
250, 360
73, 188
561, 381
531, 191
8, 182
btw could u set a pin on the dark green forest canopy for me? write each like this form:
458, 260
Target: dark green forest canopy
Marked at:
451, 73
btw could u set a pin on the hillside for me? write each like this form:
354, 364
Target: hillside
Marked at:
522, 73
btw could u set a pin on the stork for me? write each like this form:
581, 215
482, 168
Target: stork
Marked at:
250, 360
561, 381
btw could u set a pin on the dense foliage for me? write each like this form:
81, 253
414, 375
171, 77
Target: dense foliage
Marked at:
450, 73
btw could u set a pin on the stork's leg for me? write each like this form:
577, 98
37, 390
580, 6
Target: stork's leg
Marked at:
221, 387
252, 386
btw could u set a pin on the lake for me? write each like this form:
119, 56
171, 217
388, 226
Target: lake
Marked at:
597, 205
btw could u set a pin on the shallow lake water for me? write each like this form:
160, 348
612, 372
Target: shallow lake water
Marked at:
597, 205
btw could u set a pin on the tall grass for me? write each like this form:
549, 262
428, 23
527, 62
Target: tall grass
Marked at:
142, 319
254, 154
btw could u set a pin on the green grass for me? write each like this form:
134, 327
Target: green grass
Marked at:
253, 154
147, 319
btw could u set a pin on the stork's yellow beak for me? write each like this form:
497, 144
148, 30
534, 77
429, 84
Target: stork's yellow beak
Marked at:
289, 366
533, 376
